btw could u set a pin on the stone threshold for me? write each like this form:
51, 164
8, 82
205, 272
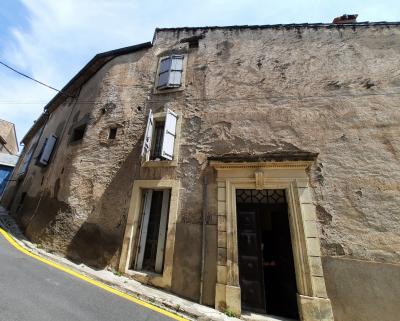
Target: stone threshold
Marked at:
251, 316
185, 308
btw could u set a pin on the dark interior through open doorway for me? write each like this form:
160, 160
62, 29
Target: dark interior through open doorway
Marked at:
266, 265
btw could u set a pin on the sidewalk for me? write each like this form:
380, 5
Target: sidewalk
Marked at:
167, 301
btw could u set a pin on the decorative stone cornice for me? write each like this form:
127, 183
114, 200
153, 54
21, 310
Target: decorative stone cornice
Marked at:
284, 165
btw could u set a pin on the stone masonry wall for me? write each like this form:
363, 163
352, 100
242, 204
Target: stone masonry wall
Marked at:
332, 90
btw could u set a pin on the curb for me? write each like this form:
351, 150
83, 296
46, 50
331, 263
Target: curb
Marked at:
107, 286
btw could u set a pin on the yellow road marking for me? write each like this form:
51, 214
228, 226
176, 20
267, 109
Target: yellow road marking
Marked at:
89, 280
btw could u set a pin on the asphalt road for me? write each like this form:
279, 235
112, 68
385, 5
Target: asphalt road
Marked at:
33, 291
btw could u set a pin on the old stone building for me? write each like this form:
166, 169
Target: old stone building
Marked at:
247, 168
8, 152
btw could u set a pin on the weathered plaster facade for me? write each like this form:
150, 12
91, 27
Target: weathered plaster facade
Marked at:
251, 95
8, 138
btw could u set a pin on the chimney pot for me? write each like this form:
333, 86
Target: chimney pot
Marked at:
346, 18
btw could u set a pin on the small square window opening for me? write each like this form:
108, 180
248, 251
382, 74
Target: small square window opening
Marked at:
194, 43
112, 133
78, 133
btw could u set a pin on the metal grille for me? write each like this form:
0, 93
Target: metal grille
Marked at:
264, 196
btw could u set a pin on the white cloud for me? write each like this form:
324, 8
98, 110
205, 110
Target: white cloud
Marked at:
61, 36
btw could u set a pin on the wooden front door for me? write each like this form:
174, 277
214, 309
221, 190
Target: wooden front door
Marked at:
250, 260
265, 256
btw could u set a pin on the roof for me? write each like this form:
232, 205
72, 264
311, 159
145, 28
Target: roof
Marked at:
79, 79
101, 59
286, 26
8, 160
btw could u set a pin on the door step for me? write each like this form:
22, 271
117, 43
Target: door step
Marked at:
251, 316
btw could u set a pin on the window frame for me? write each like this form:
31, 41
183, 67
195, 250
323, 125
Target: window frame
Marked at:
166, 89
147, 203
25, 162
72, 139
157, 117
52, 139
130, 240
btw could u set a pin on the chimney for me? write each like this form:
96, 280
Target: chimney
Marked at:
346, 18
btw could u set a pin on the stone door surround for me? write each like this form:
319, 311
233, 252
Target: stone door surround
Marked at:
291, 176
132, 229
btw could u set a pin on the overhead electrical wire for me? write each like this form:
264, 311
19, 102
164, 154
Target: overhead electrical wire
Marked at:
33, 79
209, 99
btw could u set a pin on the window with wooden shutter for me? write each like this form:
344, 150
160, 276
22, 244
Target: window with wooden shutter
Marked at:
153, 231
47, 150
147, 137
159, 141
170, 72
163, 74
26, 161
167, 150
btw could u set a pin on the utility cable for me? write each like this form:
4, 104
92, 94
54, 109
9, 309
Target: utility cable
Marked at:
211, 99
33, 79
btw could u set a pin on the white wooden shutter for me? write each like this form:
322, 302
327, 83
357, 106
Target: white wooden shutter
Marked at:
148, 195
162, 232
167, 150
175, 76
25, 164
147, 138
48, 149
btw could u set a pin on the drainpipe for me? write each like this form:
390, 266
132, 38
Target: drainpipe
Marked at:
203, 238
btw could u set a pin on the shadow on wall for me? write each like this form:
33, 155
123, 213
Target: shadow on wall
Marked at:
99, 239
93, 246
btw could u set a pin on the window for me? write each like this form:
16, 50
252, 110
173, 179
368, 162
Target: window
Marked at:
47, 150
113, 133
164, 132
26, 161
153, 230
78, 133
170, 72
158, 140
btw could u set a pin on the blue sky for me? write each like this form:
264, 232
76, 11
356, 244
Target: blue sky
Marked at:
52, 40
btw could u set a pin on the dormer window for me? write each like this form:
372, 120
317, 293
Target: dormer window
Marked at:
170, 72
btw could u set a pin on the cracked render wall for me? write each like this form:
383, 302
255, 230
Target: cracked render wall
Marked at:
329, 90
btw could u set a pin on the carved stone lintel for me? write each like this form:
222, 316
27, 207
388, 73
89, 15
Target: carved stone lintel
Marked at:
259, 176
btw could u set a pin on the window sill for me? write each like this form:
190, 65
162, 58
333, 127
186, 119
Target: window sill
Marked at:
161, 163
143, 276
168, 90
